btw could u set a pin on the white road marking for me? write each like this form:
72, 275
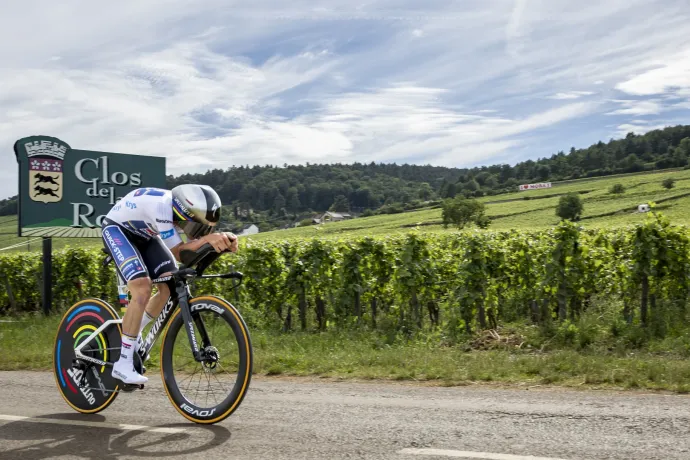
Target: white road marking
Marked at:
117, 426
466, 454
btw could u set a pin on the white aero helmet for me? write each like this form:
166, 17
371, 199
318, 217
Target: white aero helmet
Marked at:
196, 209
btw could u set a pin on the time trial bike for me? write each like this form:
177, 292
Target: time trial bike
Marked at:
205, 354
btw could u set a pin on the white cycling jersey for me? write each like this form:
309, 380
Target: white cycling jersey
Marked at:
147, 212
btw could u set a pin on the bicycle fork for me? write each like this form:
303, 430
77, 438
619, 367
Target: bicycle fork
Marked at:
189, 320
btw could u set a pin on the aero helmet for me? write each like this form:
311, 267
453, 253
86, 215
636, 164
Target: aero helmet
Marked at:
196, 209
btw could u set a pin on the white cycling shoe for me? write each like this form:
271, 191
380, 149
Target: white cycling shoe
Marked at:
124, 371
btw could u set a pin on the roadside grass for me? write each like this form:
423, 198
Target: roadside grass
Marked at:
28, 343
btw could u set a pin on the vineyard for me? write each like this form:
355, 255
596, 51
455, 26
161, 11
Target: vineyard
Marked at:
453, 284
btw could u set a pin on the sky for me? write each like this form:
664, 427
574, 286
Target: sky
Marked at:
215, 84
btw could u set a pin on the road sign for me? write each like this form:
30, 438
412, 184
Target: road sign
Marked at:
65, 192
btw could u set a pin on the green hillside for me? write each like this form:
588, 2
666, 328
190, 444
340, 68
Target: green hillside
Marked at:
533, 209
8, 237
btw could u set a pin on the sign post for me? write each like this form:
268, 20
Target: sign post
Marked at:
65, 192
47, 294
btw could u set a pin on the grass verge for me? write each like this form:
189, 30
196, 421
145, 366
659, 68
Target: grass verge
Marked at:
28, 344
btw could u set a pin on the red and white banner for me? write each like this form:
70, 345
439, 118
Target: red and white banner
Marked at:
535, 186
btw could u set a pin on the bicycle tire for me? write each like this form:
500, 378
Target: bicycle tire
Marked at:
81, 318
233, 400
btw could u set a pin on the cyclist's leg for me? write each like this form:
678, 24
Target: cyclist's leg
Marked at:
159, 261
129, 263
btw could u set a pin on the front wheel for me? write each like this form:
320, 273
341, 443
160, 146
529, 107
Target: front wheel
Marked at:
208, 391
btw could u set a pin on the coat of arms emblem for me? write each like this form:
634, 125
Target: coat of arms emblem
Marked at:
45, 170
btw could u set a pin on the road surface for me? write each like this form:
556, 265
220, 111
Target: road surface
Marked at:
311, 419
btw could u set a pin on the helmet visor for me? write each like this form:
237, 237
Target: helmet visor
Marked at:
195, 230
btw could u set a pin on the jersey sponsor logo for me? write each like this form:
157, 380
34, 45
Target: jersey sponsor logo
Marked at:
126, 257
163, 221
151, 191
140, 228
132, 267
131, 205
162, 264
114, 244
167, 234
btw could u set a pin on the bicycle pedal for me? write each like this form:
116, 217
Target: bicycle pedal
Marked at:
129, 387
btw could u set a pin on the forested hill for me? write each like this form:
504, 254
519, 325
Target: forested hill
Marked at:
316, 187
8, 206
277, 190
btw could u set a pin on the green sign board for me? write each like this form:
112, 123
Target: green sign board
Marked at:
64, 192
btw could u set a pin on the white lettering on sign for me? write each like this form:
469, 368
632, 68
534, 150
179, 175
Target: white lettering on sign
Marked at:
105, 177
535, 186
82, 212
80, 217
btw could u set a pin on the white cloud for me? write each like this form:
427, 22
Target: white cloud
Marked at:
210, 85
638, 107
638, 127
571, 95
668, 75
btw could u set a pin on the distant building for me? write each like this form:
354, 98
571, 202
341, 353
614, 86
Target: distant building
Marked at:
249, 230
329, 216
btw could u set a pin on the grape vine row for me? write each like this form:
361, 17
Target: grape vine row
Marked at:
460, 282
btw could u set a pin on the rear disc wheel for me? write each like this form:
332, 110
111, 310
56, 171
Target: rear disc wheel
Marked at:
77, 324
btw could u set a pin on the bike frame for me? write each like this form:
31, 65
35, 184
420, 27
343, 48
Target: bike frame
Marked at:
177, 299
180, 295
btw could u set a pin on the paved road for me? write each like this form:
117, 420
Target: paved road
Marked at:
308, 419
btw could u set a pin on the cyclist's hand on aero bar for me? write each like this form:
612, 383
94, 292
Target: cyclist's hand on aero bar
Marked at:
222, 241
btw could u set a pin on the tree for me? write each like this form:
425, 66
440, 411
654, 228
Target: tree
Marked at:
668, 183
340, 204
471, 186
292, 199
617, 189
425, 191
491, 182
570, 207
460, 211
483, 221
451, 190
543, 172
684, 146
279, 204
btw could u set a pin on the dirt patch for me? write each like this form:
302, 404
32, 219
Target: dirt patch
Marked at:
493, 339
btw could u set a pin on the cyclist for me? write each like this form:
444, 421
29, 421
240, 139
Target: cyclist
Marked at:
142, 232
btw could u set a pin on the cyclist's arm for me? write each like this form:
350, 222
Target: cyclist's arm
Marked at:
220, 241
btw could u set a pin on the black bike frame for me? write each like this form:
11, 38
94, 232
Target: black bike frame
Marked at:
179, 297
